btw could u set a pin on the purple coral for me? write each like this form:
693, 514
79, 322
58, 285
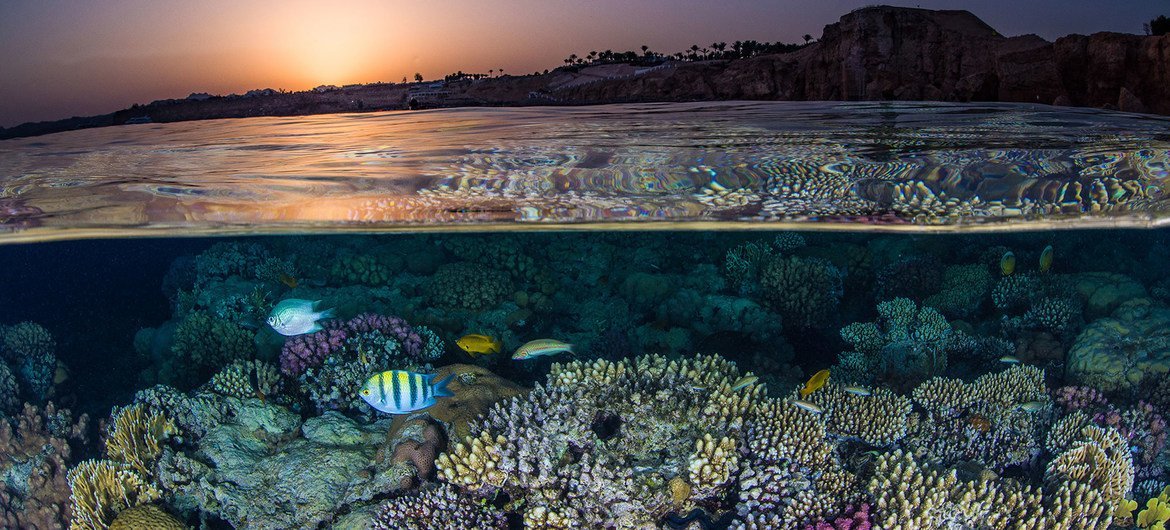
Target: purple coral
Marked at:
1079, 397
851, 520
305, 351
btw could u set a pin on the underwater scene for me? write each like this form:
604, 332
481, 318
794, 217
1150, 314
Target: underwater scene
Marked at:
807, 316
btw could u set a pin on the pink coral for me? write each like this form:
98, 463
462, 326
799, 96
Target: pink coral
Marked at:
390, 326
851, 520
34, 455
1079, 397
306, 351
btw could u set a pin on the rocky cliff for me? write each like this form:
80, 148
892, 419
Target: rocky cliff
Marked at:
890, 53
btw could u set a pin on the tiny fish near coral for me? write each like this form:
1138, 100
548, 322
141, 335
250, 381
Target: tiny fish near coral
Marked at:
295, 316
858, 391
476, 345
541, 347
800, 403
817, 381
744, 382
399, 391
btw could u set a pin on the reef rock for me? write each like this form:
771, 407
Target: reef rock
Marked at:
1118, 352
266, 469
476, 389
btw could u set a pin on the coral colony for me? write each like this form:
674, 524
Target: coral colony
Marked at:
698, 381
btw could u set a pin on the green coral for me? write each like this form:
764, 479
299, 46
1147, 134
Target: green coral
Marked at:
360, 269
964, 288
204, 343
805, 291
468, 286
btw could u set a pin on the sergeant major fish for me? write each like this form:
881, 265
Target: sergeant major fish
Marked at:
400, 392
295, 316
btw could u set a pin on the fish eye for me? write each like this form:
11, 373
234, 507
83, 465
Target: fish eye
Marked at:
365, 392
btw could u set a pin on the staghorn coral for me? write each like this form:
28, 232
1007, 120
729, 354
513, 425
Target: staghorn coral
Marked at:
146, 516
467, 286
985, 421
880, 418
35, 448
437, 507
805, 291
101, 489
31, 351
598, 438
137, 436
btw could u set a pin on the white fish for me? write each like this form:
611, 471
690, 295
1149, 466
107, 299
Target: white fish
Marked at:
296, 317
857, 390
806, 406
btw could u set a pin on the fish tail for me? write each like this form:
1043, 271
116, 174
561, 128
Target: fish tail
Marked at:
328, 313
441, 389
569, 349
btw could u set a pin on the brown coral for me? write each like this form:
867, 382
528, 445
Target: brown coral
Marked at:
146, 516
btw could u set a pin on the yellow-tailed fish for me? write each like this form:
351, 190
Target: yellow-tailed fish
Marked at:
541, 347
1046, 259
399, 391
1009, 359
476, 345
807, 406
857, 390
816, 382
744, 382
288, 280
1007, 264
1032, 406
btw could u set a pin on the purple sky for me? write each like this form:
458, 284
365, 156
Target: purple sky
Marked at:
64, 57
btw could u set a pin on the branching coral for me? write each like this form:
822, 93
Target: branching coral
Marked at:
31, 351
600, 444
905, 339
101, 489
9, 391
467, 286
805, 291
963, 290
247, 379
137, 438
880, 418
437, 507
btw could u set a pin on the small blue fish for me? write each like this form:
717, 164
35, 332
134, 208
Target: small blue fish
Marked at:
399, 391
296, 317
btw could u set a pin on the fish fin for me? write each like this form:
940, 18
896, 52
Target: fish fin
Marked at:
569, 350
328, 313
441, 389
316, 327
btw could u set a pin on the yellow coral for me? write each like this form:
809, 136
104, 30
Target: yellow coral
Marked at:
146, 516
1157, 512
680, 491
712, 465
474, 463
1123, 515
137, 437
101, 489
880, 418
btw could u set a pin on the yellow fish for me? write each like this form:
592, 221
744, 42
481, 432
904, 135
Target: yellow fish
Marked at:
817, 381
288, 280
1007, 264
476, 345
1046, 259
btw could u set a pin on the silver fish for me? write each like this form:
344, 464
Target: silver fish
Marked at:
807, 406
744, 382
1009, 359
858, 390
294, 316
1032, 406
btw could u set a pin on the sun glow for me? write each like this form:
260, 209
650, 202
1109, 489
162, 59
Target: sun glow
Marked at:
333, 46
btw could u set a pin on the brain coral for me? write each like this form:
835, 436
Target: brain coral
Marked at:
1116, 353
805, 291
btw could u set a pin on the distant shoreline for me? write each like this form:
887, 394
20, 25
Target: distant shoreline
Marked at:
871, 54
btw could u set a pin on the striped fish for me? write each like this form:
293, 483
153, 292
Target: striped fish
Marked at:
399, 391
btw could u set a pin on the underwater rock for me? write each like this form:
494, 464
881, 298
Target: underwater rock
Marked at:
264, 469
1103, 292
1117, 353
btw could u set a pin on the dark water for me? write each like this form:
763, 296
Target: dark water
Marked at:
743, 315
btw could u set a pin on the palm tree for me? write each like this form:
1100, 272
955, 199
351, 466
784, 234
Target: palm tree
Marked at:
645, 50
417, 77
490, 72
807, 38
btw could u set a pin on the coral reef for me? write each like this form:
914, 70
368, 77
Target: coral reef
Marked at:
805, 291
437, 507
1116, 353
879, 419
245, 379
30, 351
9, 391
204, 343
137, 437
963, 290
35, 448
907, 341
146, 516
467, 286
101, 489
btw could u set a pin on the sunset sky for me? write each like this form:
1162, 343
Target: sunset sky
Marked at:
70, 57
